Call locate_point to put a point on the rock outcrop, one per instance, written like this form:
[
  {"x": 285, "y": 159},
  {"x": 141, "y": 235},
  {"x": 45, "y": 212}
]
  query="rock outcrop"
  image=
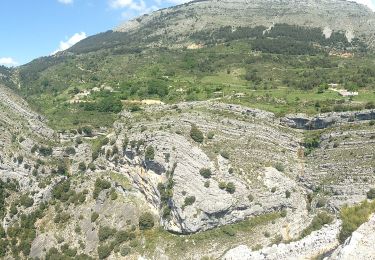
[
  {"x": 317, "y": 243},
  {"x": 360, "y": 245},
  {"x": 302, "y": 121}
]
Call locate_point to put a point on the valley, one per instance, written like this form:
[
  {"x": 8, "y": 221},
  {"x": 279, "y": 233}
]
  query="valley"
[{"x": 208, "y": 130}]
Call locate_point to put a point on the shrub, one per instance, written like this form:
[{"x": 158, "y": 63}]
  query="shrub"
[
  {"x": 287, "y": 194},
  {"x": 222, "y": 185},
  {"x": 91, "y": 166},
  {"x": 122, "y": 236},
  {"x": 113, "y": 194},
  {"x": 229, "y": 231},
  {"x": 62, "y": 191},
  {"x": 205, "y": 172},
  {"x": 94, "y": 216},
  {"x": 146, "y": 221},
  {"x": 225, "y": 154},
  {"x": 189, "y": 201},
  {"x": 371, "y": 194},
  {"x": 150, "y": 153},
  {"x": 250, "y": 198},
  {"x": 26, "y": 201},
  {"x": 317, "y": 223},
  {"x": 210, "y": 135},
  {"x": 283, "y": 213},
  {"x": 70, "y": 151},
  {"x": 279, "y": 167},
  {"x": 273, "y": 190},
  {"x": 87, "y": 130},
  {"x": 231, "y": 188},
  {"x": 207, "y": 184},
  {"x": 2, "y": 232},
  {"x": 20, "y": 159},
  {"x": 196, "y": 134},
  {"x": 45, "y": 151},
  {"x": 99, "y": 186},
  {"x": 321, "y": 202},
  {"x": 353, "y": 217},
  {"x": 34, "y": 148},
  {"x": 125, "y": 250},
  {"x": 105, "y": 233},
  {"x": 61, "y": 218},
  {"x": 104, "y": 251},
  {"x": 82, "y": 166}
]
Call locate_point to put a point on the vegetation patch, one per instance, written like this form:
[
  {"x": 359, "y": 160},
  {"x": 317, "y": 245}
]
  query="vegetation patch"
[{"x": 353, "y": 217}]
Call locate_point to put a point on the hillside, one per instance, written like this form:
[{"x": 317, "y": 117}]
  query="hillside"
[
  {"x": 286, "y": 65},
  {"x": 209, "y": 130}
]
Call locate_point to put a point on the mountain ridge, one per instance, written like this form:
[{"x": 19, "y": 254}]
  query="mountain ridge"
[{"x": 334, "y": 15}]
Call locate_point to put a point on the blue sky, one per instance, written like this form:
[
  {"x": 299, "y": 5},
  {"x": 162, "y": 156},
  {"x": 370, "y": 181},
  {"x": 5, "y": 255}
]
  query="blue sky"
[{"x": 34, "y": 28}]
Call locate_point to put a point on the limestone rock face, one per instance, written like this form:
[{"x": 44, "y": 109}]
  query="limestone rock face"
[
  {"x": 316, "y": 243},
  {"x": 301, "y": 121},
  {"x": 360, "y": 245}
]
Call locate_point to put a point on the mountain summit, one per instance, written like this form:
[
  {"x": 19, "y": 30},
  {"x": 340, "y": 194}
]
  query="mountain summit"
[{"x": 354, "y": 19}]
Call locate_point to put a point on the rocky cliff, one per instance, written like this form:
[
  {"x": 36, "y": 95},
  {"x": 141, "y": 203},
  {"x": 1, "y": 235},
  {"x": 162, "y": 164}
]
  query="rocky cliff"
[{"x": 181, "y": 21}]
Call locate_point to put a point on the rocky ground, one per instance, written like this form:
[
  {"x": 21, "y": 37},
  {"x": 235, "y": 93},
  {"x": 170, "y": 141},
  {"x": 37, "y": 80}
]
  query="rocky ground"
[{"x": 217, "y": 177}]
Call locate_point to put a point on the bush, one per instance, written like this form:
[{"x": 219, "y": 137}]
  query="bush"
[
  {"x": 105, "y": 233},
  {"x": 205, "y": 172},
  {"x": 287, "y": 194},
  {"x": 26, "y": 201},
  {"x": 99, "y": 186},
  {"x": 122, "y": 236},
  {"x": 150, "y": 153},
  {"x": 196, "y": 134},
  {"x": 321, "y": 202},
  {"x": 125, "y": 250},
  {"x": 70, "y": 151},
  {"x": 273, "y": 190},
  {"x": 82, "y": 166},
  {"x": 104, "y": 251},
  {"x": 231, "y": 188},
  {"x": 45, "y": 151},
  {"x": 87, "y": 130},
  {"x": 222, "y": 185},
  {"x": 371, "y": 194},
  {"x": 94, "y": 216},
  {"x": 353, "y": 217},
  {"x": 279, "y": 167},
  {"x": 225, "y": 154},
  {"x": 317, "y": 223},
  {"x": 189, "y": 201},
  {"x": 229, "y": 231},
  {"x": 210, "y": 135},
  {"x": 146, "y": 221}
]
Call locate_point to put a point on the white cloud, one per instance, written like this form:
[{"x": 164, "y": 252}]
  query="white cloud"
[
  {"x": 117, "y": 4},
  {"x": 172, "y": 1},
  {"x": 7, "y": 61},
  {"x": 70, "y": 42},
  {"x": 369, "y": 3},
  {"x": 65, "y": 2}
]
